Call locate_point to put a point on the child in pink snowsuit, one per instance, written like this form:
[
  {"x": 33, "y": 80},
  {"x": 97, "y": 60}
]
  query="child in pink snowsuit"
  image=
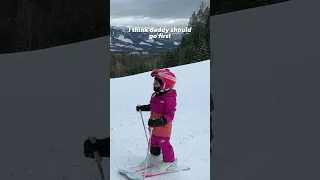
[{"x": 162, "y": 109}]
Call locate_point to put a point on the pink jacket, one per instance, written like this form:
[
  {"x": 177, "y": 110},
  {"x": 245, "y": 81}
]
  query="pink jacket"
[{"x": 163, "y": 105}]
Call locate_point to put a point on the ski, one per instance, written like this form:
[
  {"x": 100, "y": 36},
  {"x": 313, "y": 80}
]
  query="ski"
[
  {"x": 134, "y": 169},
  {"x": 140, "y": 175}
]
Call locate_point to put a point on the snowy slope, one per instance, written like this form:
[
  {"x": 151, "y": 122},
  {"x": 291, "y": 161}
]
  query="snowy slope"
[
  {"x": 191, "y": 128},
  {"x": 266, "y": 92},
  {"x": 50, "y": 101}
]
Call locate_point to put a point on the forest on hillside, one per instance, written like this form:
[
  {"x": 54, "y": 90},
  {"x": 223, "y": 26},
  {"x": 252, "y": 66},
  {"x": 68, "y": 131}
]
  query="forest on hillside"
[{"x": 34, "y": 24}]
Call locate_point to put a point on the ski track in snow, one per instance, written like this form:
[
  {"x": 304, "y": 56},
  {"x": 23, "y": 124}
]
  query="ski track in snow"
[{"x": 191, "y": 127}]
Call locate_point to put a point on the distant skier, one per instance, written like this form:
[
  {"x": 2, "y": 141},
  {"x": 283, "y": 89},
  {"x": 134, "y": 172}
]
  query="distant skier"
[
  {"x": 101, "y": 145},
  {"x": 162, "y": 107}
]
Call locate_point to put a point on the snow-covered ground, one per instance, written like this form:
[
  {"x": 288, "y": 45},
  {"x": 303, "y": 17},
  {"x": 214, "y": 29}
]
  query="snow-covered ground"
[
  {"x": 266, "y": 92},
  {"x": 191, "y": 127},
  {"x": 50, "y": 101}
]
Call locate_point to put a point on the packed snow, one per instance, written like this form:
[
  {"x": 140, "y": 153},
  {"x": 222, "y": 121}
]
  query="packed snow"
[
  {"x": 51, "y": 100},
  {"x": 266, "y": 93},
  {"x": 191, "y": 126}
]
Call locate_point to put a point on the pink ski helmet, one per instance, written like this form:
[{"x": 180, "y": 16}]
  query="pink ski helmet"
[{"x": 167, "y": 77}]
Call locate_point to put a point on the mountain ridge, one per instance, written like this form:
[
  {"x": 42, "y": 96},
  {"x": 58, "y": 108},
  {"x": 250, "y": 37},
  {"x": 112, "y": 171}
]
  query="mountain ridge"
[{"x": 139, "y": 42}]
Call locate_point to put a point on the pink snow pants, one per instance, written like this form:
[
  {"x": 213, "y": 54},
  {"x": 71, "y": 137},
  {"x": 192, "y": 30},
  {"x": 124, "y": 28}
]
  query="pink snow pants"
[{"x": 165, "y": 146}]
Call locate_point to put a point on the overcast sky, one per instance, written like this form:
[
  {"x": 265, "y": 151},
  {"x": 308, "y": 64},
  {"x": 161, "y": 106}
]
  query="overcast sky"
[{"x": 153, "y": 13}]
